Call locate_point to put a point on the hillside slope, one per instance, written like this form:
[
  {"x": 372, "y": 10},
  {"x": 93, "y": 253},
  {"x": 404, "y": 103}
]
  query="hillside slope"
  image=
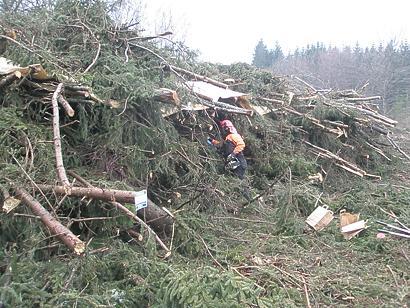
[{"x": 225, "y": 250}]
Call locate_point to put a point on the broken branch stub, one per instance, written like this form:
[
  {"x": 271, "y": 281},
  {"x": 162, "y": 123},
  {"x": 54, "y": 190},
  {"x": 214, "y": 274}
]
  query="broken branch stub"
[
  {"x": 66, "y": 106},
  {"x": 57, "y": 138}
]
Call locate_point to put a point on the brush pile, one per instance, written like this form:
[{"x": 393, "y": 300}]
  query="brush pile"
[{"x": 91, "y": 112}]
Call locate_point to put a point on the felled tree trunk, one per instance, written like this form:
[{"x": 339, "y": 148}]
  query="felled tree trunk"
[
  {"x": 167, "y": 96},
  {"x": 122, "y": 208},
  {"x": 8, "y": 80},
  {"x": 53, "y": 225},
  {"x": 159, "y": 220}
]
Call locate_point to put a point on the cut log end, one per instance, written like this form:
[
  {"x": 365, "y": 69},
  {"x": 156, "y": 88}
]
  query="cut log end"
[
  {"x": 167, "y": 96},
  {"x": 79, "y": 248},
  {"x": 51, "y": 222}
]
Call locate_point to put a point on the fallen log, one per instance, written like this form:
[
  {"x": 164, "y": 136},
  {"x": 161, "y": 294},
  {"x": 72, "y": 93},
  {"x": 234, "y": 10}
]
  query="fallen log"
[
  {"x": 127, "y": 212},
  {"x": 159, "y": 220},
  {"x": 375, "y": 116},
  {"x": 340, "y": 162},
  {"x": 52, "y": 224},
  {"x": 361, "y": 99},
  {"x": 394, "y": 144},
  {"x": 338, "y": 132},
  {"x": 9, "y": 79}
]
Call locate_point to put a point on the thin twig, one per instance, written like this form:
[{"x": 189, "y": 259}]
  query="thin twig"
[
  {"x": 95, "y": 59},
  {"x": 125, "y": 106},
  {"x": 126, "y": 51},
  {"x": 35, "y": 52},
  {"x": 394, "y": 144},
  {"x": 136, "y": 218},
  {"x": 188, "y": 160},
  {"x": 18, "y": 43},
  {"x": 305, "y": 289},
  {"x": 209, "y": 252},
  {"x": 26, "y": 215},
  {"x": 394, "y": 277},
  {"x": 90, "y": 218},
  {"x": 172, "y": 236},
  {"x": 98, "y": 49},
  {"x": 245, "y": 220},
  {"x": 405, "y": 255},
  {"x": 151, "y": 37}
]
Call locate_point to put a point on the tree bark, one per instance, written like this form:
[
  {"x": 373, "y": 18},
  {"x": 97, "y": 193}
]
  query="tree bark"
[
  {"x": 8, "y": 80},
  {"x": 198, "y": 77},
  {"x": 53, "y": 225},
  {"x": 167, "y": 96},
  {"x": 137, "y": 219},
  {"x": 66, "y": 106},
  {"x": 127, "y": 212},
  {"x": 361, "y": 99},
  {"x": 57, "y": 138},
  {"x": 223, "y": 106},
  {"x": 153, "y": 215}
]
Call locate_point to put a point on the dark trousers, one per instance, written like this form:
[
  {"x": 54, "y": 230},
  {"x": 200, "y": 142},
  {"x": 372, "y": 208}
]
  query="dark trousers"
[{"x": 240, "y": 171}]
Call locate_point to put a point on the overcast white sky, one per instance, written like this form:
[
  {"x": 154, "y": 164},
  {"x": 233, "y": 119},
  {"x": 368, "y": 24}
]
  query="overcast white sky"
[{"x": 227, "y": 31}]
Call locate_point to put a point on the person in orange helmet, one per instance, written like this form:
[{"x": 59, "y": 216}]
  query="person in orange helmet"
[{"x": 231, "y": 148}]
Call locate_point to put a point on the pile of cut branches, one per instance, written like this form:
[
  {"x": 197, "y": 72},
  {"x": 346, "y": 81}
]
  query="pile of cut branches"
[{"x": 85, "y": 130}]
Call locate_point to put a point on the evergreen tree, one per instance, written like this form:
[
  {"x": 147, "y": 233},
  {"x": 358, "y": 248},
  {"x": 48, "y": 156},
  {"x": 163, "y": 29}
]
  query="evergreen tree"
[
  {"x": 261, "y": 57},
  {"x": 277, "y": 53}
]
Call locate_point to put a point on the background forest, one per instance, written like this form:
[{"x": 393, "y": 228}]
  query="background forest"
[{"x": 383, "y": 69}]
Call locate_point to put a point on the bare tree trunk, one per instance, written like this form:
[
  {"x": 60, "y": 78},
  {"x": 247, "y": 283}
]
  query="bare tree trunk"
[
  {"x": 159, "y": 220},
  {"x": 53, "y": 225},
  {"x": 57, "y": 138},
  {"x": 7, "y": 80},
  {"x": 136, "y": 218},
  {"x": 127, "y": 212}
]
